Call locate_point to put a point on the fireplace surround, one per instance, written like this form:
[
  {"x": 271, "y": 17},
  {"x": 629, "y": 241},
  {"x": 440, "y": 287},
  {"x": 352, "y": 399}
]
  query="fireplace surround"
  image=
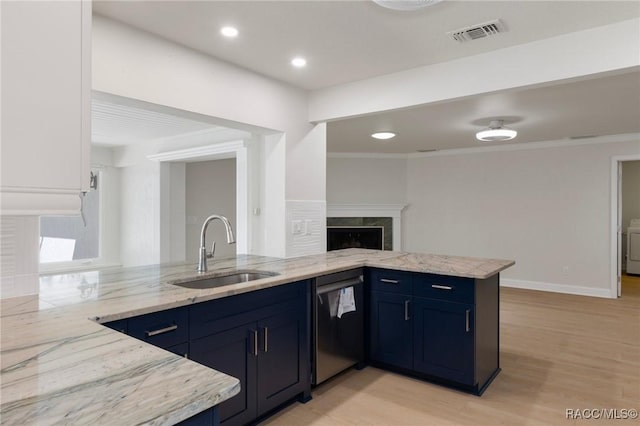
[{"x": 387, "y": 216}]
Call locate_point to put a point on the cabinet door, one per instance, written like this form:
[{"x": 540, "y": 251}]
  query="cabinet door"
[
  {"x": 182, "y": 349},
  {"x": 283, "y": 370},
  {"x": 209, "y": 417},
  {"x": 233, "y": 352},
  {"x": 390, "y": 328},
  {"x": 444, "y": 339},
  {"x": 46, "y": 105}
]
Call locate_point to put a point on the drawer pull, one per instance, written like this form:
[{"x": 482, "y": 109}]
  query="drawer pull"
[
  {"x": 406, "y": 310},
  {"x": 441, "y": 287},
  {"x": 467, "y": 327},
  {"x": 388, "y": 281},
  {"x": 161, "y": 330}
]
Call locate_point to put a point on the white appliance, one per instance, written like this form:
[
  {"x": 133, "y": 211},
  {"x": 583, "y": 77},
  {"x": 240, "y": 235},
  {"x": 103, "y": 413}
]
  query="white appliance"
[{"x": 633, "y": 247}]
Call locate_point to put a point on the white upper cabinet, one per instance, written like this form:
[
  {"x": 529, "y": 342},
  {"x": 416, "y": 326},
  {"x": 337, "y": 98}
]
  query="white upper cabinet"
[{"x": 46, "y": 105}]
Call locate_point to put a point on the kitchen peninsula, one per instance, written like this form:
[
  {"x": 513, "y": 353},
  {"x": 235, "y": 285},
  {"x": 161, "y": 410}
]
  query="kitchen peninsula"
[{"x": 59, "y": 364}]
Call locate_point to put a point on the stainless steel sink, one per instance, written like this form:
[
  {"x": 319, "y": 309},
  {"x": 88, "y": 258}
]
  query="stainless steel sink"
[{"x": 226, "y": 279}]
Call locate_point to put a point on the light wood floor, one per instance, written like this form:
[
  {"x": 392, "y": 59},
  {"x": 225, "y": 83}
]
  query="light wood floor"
[{"x": 557, "y": 352}]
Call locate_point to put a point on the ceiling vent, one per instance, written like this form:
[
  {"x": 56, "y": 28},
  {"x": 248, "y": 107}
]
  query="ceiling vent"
[{"x": 475, "y": 32}]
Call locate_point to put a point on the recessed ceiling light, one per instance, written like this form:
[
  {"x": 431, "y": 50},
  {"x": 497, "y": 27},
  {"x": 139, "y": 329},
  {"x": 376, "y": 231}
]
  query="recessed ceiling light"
[
  {"x": 299, "y": 62},
  {"x": 383, "y": 135},
  {"x": 496, "y": 132},
  {"x": 229, "y": 32}
]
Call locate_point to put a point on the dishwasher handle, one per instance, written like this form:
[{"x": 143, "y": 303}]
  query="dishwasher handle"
[{"x": 337, "y": 286}]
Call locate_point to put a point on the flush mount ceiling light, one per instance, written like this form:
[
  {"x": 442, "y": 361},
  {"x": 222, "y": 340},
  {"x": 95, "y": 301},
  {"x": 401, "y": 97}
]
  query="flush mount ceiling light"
[
  {"x": 383, "y": 135},
  {"x": 405, "y": 5},
  {"x": 229, "y": 32},
  {"x": 496, "y": 132},
  {"x": 299, "y": 62}
]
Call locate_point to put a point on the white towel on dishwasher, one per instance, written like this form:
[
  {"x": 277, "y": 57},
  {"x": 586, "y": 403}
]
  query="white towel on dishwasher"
[{"x": 347, "y": 302}]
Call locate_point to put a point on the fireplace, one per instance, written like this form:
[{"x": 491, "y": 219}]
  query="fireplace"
[
  {"x": 387, "y": 216},
  {"x": 341, "y": 237}
]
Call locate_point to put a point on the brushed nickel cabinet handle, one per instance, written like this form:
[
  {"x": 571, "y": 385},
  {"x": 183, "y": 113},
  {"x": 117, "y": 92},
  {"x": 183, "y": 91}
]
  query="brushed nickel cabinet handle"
[
  {"x": 161, "y": 330},
  {"x": 441, "y": 287},
  {"x": 266, "y": 338},
  {"x": 467, "y": 328},
  {"x": 388, "y": 281},
  {"x": 406, "y": 310},
  {"x": 255, "y": 342}
]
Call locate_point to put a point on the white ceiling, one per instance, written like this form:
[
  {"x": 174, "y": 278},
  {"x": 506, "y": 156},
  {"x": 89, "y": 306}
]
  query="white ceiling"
[
  {"x": 353, "y": 40},
  {"x": 114, "y": 124},
  {"x": 595, "y": 107}
]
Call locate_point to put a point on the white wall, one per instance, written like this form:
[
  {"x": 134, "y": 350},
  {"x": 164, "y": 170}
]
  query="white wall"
[
  {"x": 173, "y": 195},
  {"x": 306, "y": 194},
  {"x": 102, "y": 158},
  {"x": 366, "y": 180},
  {"x": 135, "y": 64},
  {"x": 140, "y": 214},
  {"x": 18, "y": 266},
  {"x": 547, "y": 208},
  {"x": 210, "y": 189}
]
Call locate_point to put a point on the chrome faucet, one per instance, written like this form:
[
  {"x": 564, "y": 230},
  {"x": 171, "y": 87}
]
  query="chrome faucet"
[{"x": 202, "y": 260}]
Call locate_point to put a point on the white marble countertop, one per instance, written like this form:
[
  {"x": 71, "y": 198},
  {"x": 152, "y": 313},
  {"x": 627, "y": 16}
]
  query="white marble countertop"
[{"x": 58, "y": 366}]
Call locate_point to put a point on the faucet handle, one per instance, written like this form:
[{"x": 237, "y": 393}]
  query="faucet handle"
[{"x": 212, "y": 252}]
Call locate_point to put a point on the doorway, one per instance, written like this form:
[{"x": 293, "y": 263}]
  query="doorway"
[
  {"x": 625, "y": 207},
  {"x": 210, "y": 189}
]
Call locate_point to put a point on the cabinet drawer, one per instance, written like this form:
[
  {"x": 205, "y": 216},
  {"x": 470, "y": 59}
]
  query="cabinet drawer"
[
  {"x": 444, "y": 287},
  {"x": 118, "y": 325},
  {"x": 390, "y": 281},
  {"x": 163, "y": 329}
]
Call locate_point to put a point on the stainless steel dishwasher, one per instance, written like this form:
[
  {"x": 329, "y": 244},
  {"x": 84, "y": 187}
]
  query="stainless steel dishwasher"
[{"x": 338, "y": 341}]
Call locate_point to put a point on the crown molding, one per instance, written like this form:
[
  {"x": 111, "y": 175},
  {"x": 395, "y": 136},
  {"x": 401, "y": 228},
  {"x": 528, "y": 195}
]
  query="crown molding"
[
  {"x": 210, "y": 152},
  {"x": 508, "y": 146}
]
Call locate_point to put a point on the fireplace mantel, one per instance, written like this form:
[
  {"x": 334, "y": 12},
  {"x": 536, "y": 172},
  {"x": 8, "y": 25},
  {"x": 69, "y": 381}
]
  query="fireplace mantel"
[{"x": 394, "y": 211}]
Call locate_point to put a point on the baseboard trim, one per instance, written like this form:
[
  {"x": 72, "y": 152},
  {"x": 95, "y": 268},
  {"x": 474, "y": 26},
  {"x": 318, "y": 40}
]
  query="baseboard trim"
[{"x": 558, "y": 288}]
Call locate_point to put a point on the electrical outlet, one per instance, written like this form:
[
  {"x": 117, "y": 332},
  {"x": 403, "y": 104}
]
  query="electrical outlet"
[
  {"x": 565, "y": 269},
  {"x": 307, "y": 226}
]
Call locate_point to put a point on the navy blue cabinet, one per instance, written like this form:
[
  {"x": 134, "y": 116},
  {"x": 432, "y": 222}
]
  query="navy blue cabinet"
[
  {"x": 443, "y": 339},
  {"x": 118, "y": 325},
  {"x": 391, "y": 329},
  {"x": 265, "y": 347},
  {"x": 233, "y": 352},
  {"x": 163, "y": 329},
  {"x": 283, "y": 358},
  {"x": 260, "y": 337},
  {"x": 166, "y": 329},
  {"x": 208, "y": 417},
  {"x": 436, "y": 327}
]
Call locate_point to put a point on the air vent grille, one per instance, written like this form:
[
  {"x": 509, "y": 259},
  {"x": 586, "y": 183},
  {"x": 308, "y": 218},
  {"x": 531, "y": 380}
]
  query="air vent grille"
[{"x": 475, "y": 32}]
